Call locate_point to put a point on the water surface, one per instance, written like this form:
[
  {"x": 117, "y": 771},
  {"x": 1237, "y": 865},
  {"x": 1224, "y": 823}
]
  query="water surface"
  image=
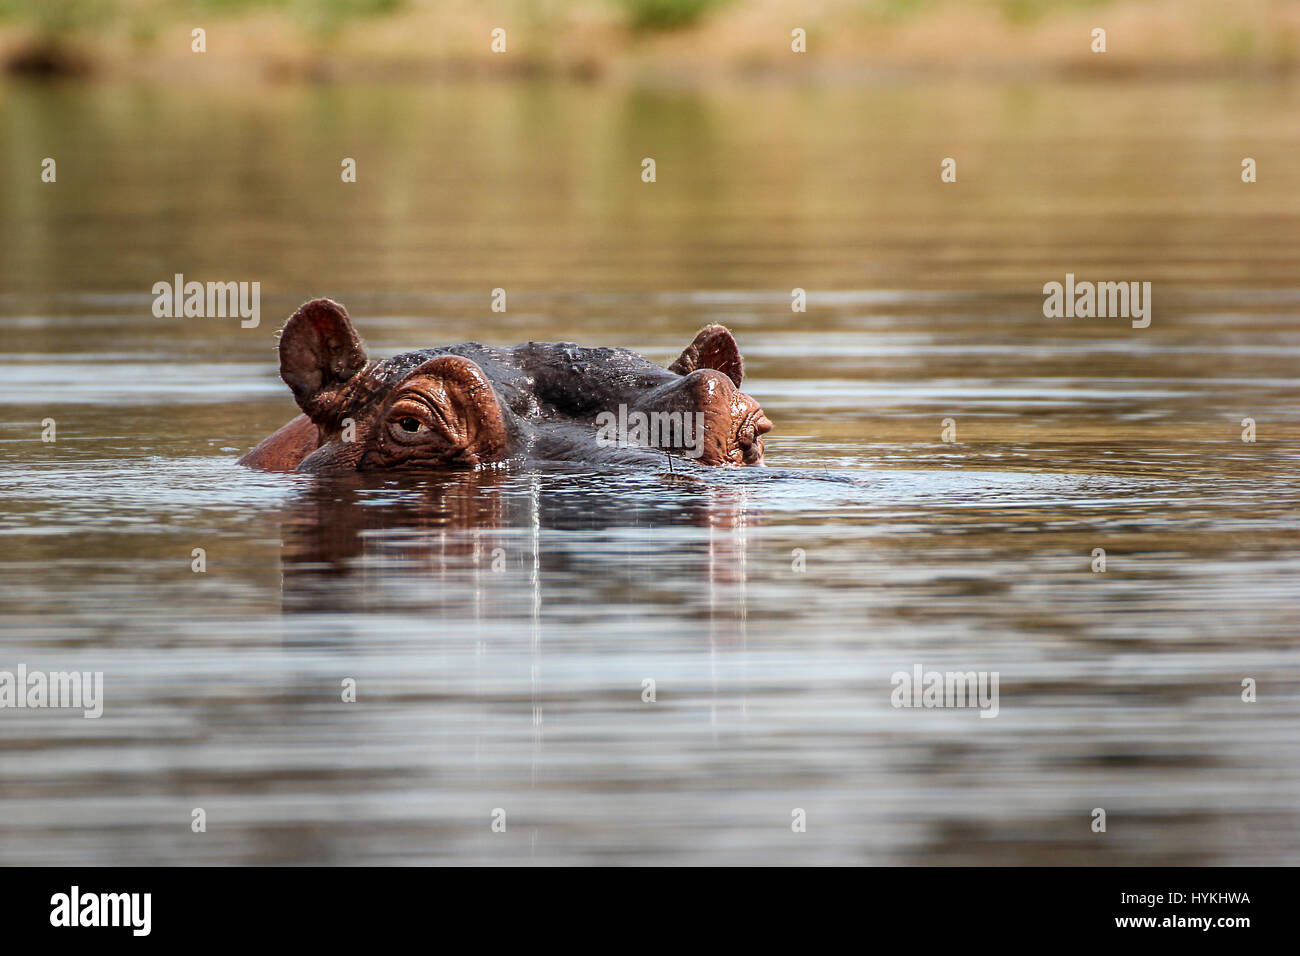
[{"x": 500, "y": 626}]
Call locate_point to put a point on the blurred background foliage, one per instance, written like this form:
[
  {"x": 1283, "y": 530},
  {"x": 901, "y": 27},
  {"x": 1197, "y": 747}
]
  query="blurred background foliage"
[{"x": 596, "y": 37}]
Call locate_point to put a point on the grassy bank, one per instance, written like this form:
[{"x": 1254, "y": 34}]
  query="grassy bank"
[{"x": 257, "y": 40}]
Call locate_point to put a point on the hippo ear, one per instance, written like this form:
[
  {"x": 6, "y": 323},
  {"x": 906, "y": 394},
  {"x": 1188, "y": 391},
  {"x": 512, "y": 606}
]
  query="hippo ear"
[
  {"x": 714, "y": 347},
  {"x": 319, "y": 353}
]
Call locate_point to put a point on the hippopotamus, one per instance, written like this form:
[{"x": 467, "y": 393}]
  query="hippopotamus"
[{"x": 475, "y": 406}]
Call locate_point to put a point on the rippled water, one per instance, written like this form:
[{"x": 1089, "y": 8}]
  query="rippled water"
[{"x": 500, "y": 625}]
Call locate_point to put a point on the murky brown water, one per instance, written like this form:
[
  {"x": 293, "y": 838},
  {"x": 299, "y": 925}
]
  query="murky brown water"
[{"x": 499, "y": 627}]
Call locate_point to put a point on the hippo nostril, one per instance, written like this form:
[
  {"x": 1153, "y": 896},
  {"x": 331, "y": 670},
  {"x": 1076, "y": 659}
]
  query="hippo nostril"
[{"x": 753, "y": 430}]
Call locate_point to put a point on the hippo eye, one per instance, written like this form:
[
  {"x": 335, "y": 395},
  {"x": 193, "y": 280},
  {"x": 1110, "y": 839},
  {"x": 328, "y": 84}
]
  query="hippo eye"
[{"x": 409, "y": 424}]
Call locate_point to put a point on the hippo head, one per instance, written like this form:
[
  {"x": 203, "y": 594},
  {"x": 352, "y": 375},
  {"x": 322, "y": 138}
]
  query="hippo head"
[{"x": 471, "y": 405}]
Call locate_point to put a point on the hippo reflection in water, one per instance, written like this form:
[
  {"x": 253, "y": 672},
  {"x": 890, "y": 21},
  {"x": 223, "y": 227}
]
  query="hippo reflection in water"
[{"x": 471, "y": 405}]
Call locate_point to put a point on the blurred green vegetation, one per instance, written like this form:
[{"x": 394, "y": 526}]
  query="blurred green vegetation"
[
  {"x": 587, "y": 36},
  {"x": 666, "y": 14},
  {"x": 54, "y": 18},
  {"x": 1028, "y": 11},
  {"x": 65, "y": 16},
  {"x": 59, "y": 17}
]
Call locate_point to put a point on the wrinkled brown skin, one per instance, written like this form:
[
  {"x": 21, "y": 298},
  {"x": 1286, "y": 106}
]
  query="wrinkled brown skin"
[{"x": 471, "y": 405}]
